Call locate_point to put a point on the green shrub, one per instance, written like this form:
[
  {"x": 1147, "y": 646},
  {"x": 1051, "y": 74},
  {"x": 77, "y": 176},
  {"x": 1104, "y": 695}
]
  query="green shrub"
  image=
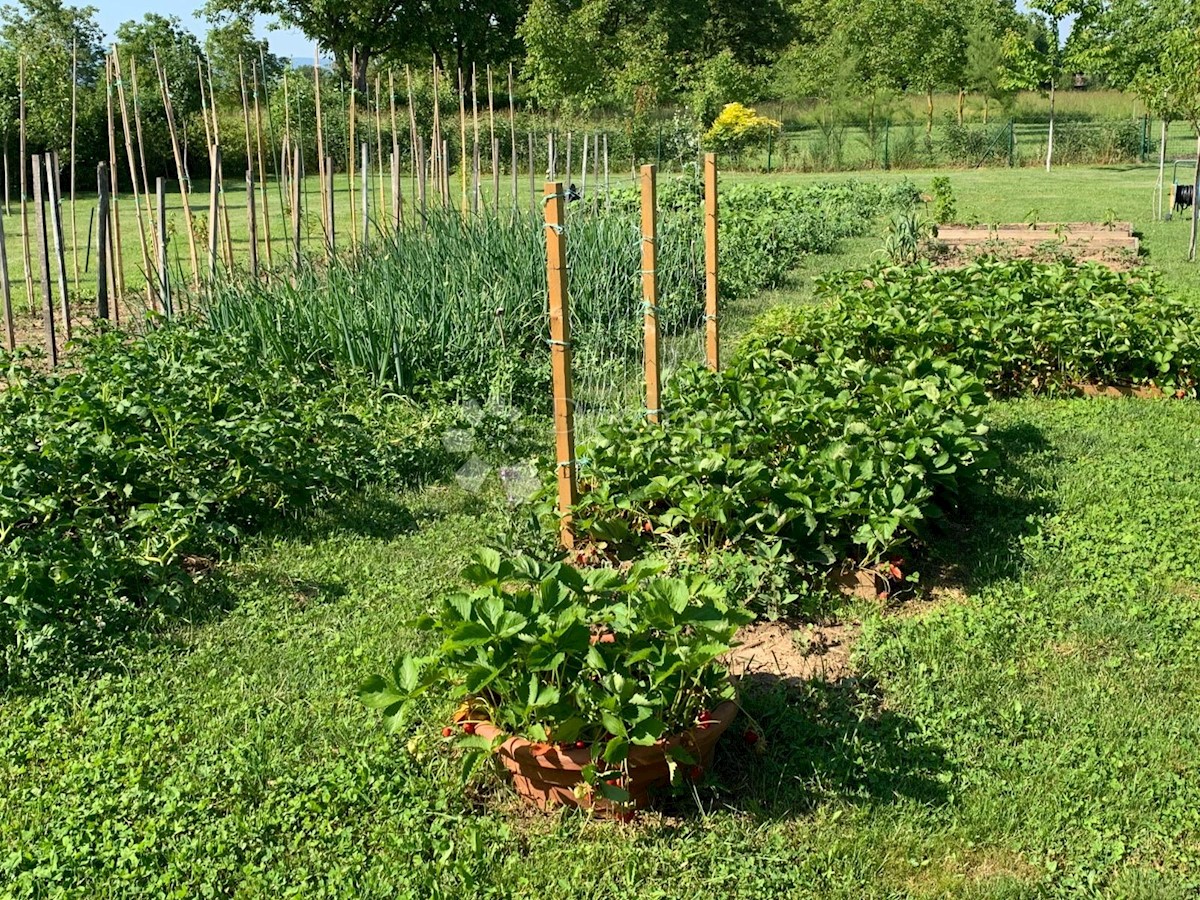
[
  {"x": 119, "y": 474},
  {"x": 1018, "y": 325}
]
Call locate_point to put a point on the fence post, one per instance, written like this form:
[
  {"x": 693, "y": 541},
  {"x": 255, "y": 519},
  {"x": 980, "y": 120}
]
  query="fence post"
[
  {"x": 560, "y": 359},
  {"x": 653, "y": 368},
  {"x": 711, "y": 333},
  {"x": 101, "y": 244},
  {"x": 887, "y": 142},
  {"x": 252, "y": 222},
  {"x": 1012, "y": 142},
  {"x": 39, "y": 208}
]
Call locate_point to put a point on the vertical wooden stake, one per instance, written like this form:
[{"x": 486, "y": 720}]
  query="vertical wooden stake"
[
  {"x": 74, "y": 123},
  {"x": 102, "y": 242},
  {"x": 262, "y": 169},
  {"x": 252, "y": 222},
  {"x": 56, "y": 228},
  {"x": 379, "y": 157},
  {"x": 133, "y": 174},
  {"x": 560, "y": 359},
  {"x": 462, "y": 139},
  {"x": 39, "y": 209},
  {"x": 351, "y": 144},
  {"x": 10, "y": 336},
  {"x": 394, "y": 161},
  {"x": 366, "y": 194},
  {"x": 533, "y": 198},
  {"x": 118, "y": 258},
  {"x": 331, "y": 234},
  {"x": 475, "y": 199},
  {"x": 583, "y": 169},
  {"x": 185, "y": 186},
  {"x": 26, "y": 257},
  {"x": 164, "y": 274},
  {"x": 321, "y": 159},
  {"x": 297, "y": 217},
  {"x": 421, "y": 201},
  {"x": 512, "y": 134},
  {"x": 606, "y": 200},
  {"x": 214, "y": 214},
  {"x": 495, "y": 145},
  {"x": 653, "y": 367},
  {"x": 711, "y": 332}
]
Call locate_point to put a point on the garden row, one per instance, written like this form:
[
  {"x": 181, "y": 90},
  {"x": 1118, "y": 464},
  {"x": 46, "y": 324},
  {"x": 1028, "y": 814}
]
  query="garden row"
[
  {"x": 828, "y": 447},
  {"x": 127, "y": 472}
]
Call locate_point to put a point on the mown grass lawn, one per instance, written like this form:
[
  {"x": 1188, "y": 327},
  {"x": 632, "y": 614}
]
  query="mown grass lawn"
[
  {"x": 1030, "y": 728},
  {"x": 1037, "y": 732}
]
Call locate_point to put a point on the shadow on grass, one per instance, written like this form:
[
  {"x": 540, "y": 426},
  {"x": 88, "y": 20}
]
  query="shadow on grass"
[
  {"x": 820, "y": 742},
  {"x": 982, "y": 542}
]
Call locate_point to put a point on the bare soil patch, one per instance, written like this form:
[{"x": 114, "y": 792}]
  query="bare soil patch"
[
  {"x": 1112, "y": 244},
  {"x": 777, "y": 651}
]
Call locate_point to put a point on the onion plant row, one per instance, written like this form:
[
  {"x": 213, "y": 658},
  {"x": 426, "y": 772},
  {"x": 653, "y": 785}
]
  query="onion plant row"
[{"x": 459, "y": 307}]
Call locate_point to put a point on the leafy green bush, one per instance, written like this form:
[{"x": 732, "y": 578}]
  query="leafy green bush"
[
  {"x": 834, "y": 458},
  {"x": 1018, "y": 325},
  {"x": 150, "y": 452},
  {"x": 519, "y": 650}
]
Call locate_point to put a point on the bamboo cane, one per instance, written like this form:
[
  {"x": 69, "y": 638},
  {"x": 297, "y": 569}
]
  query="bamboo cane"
[
  {"x": 512, "y": 133},
  {"x": 164, "y": 275},
  {"x": 60, "y": 258},
  {"x": 25, "y": 257},
  {"x": 185, "y": 187},
  {"x": 226, "y": 231},
  {"x": 129, "y": 155},
  {"x": 214, "y": 201},
  {"x": 462, "y": 128},
  {"x": 208, "y": 138},
  {"x": 262, "y": 169},
  {"x": 297, "y": 178},
  {"x": 351, "y": 146},
  {"x": 252, "y": 221},
  {"x": 101, "y": 241},
  {"x": 379, "y": 158},
  {"x": 10, "y": 335},
  {"x": 118, "y": 257},
  {"x": 397, "y": 193},
  {"x": 492, "y": 138},
  {"x": 39, "y": 208},
  {"x": 475, "y": 200},
  {"x": 74, "y": 124},
  {"x": 321, "y": 160}
]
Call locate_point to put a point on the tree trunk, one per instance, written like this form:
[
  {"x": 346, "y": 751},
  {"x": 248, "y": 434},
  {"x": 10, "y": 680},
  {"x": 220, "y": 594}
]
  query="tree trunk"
[
  {"x": 1050, "y": 133},
  {"x": 987, "y": 102},
  {"x": 358, "y": 65},
  {"x": 1195, "y": 198},
  {"x": 962, "y": 96},
  {"x": 929, "y": 108}
]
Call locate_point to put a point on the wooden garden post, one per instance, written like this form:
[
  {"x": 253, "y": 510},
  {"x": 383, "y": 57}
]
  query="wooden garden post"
[
  {"x": 650, "y": 291},
  {"x": 56, "y": 228},
  {"x": 297, "y": 180},
  {"x": 560, "y": 359},
  {"x": 711, "y": 332}
]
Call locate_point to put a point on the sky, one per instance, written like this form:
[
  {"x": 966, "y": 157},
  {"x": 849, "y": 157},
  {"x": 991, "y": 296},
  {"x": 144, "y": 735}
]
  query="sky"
[{"x": 285, "y": 43}]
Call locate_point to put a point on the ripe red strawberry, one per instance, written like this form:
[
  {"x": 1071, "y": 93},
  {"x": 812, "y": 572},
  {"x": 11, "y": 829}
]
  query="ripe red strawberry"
[
  {"x": 579, "y": 745},
  {"x": 447, "y": 731},
  {"x": 751, "y": 736},
  {"x": 613, "y": 782},
  {"x": 468, "y": 727}
]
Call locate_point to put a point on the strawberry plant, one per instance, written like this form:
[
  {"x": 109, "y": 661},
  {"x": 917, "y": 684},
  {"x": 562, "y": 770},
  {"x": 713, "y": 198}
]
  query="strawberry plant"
[
  {"x": 817, "y": 458},
  {"x": 147, "y": 456},
  {"x": 1018, "y": 325},
  {"x": 520, "y": 650}
]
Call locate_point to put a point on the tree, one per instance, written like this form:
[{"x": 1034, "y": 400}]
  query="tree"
[
  {"x": 43, "y": 34},
  {"x": 231, "y": 48},
  {"x": 1179, "y": 80},
  {"x": 361, "y": 31},
  {"x": 1032, "y": 61},
  {"x": 936, "y": 29}
]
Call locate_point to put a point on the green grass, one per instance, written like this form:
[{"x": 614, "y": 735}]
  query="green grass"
[
  {"x": 1038, "y": 735},
  {"x": 1034, "y": 732}
]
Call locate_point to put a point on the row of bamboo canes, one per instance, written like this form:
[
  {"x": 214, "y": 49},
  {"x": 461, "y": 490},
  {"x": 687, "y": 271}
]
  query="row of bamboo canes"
[{"x": 430, "y": 174}]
